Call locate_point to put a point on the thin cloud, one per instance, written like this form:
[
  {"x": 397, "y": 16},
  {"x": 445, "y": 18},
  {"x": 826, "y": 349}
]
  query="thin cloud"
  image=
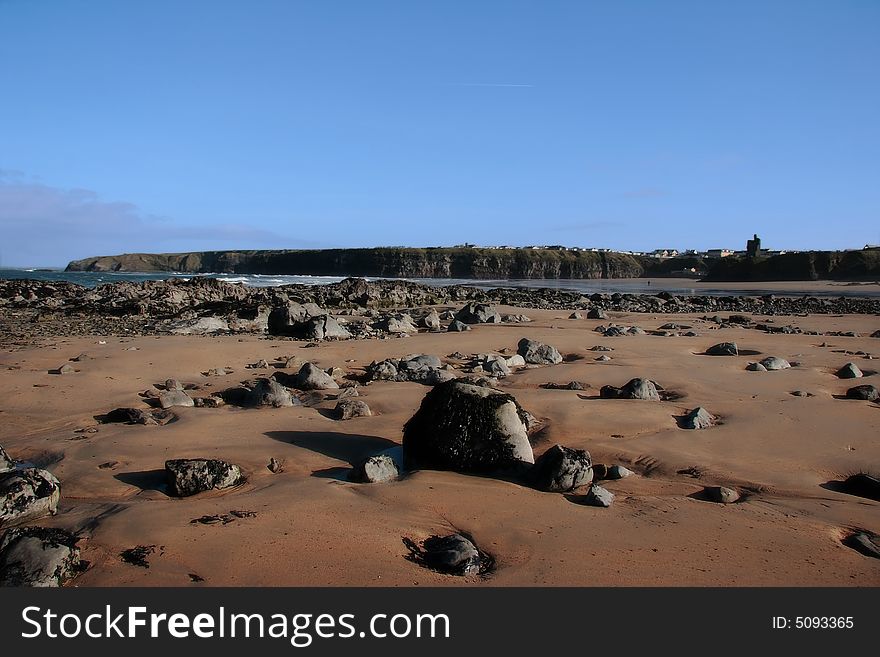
[{"x": 43, "y": 225}]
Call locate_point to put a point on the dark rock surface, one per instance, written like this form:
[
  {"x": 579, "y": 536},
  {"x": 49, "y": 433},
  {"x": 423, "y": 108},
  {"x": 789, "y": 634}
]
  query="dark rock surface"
[
  {"x": 191, "y": 476},
  {"x": 38, "y": 556}
]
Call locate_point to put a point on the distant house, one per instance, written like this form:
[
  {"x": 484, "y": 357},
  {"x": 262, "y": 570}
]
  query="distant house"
[
  {"x": 664, "y": 253},
  {"x": 719, "y": 253}
]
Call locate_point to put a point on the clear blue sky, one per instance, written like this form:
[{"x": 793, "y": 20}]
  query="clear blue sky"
[{"x": 185, "y": 125}]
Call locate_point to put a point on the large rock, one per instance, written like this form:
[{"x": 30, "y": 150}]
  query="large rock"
[
  {"x": 863, "y": 485},
  {"x": 723, "y": 349},
  {"x": 375, "y": 470},
  {"x": 6, "y": 463},
  {"x": 396, "y": 323},
  {"x": 866, "y": 391},
  {"x": 599, "y": 496},
  {"x": 151, "y": 417},
  {"x": 478, "y": 313},
  {"x": 323, "y": 327},
  {"x": 305, "y": 321},
  {"x": 537, "y": 353},
  {"x": 190, "y": 476},
  {"x": 431, "y": 321},
  {"x": 286, "y": 320},
  {"x": 312, "y": 377},
  {"x": 634, "y": 389},
  {"x": 456, "y": 326},
  {"x": 722, "y": 494},
  {"x": 561, "y": 469},
  {"x": 775, "y": 363},
  {"x": 38, "y": 556},
  {"x": 850, "y": 371},
  {"x": 27, "y": 494},
  {"x": 268, "y": 392},
  {"x": 467, "y": 428},
  {"x": 349, "y": 408},
  {"x": 174, "y": 397},
  {"x": 596, "y": 313},
  {"x": 453, "y": 555},
  {"x": 699, "y": 418}
]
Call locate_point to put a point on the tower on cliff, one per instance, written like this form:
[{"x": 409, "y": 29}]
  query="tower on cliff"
[{"x": 753, "y": 247}]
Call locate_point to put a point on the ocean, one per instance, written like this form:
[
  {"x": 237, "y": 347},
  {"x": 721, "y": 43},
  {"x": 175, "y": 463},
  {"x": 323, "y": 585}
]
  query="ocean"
[{"x": 584, "y": 286}]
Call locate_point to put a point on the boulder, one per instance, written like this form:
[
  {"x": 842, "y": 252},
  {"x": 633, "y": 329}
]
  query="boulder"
[
  {"x": 453, "y": 555},
  {"x": 202, "y": 326},
  {"x": 38, "y": 556},
  {"x": 349, "y": 408},
  {"x": 268, "y": 392},
  {"x": 723, "y": 349},
  {"x": 596, "y": 313},
  {"x": 618, "y": 472},
  {"x": 863, "y": 485},
  {"x": 467, "y": 428},
  {"x": 722, "y": 494},
  {"x": 6, "y": 463},
  {"x": 866, "y": 392},
  {"x": 385, "y": 370},
  {"x": 174, "y": 397},
  {"x": 699, "y": 418},
  {"x": 431, "y": 321},
  {"x": 850, "y": 371},
  {"x": 598, "y": 496},
  {"x": 375, "y": 470},
  {"x": 774, "y": 363},
  {"x": 27, "y": 494},
  {"x": 496, "y": 366},
  {"x": 397, "y": 323},
  {"x": 312, "y": 377},
  {"x": 536, "y": 353},
  {"x": 137, "y": 416},
  {"x": 516, "y": 361},
  {"x": 756, "y": 367},
  {"x": 286, "y": 320},
  {"x": 865, "y": 542},
  {"x": 457, "y": 326},
  {"x": 419, "y": 362},
  {"x": 190, "y": 476},
  {"x": 575, "y": 315},
  {"x": 478, "y": 313},
  {"x": 561, "y": 469},
  {"x": 634, "y": 389},
  {"x": 323, "y": 327}
]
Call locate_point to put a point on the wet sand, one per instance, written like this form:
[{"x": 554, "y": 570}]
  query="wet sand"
[{"x": 312, "y": 527}]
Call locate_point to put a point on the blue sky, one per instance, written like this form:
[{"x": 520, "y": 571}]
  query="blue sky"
[{"x": 176, "y": 126}]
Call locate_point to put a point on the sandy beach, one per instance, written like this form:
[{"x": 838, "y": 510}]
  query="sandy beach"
[{"x": 308, "y": 525}]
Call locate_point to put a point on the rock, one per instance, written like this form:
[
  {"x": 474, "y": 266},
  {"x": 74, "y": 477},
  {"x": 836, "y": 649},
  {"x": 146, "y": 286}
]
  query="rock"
[
  {"x": 596, "y": 313},
  {"x": 173, "y": 384},
  {"x": 349, "y": 408},
  {"x": 397, "y": 323},
  {"x": 190, "y": 476},
  {"x": 202, "y": 326},
  {"x": 323, "y": 327},
  {"x": 478, "y": 313},
  {"x": 699, "y": 418},
  {"x": 756, "y": 367},
  {"x": 600, "y": 347},
  {"x": 575, "y": 315},
  {"x": 618, "y": 472},
  {"x": 537, "y": 353},
  {"x": 209, "y": 402},
  {"x": 261, "y": 364},
  {"x": 849, "y": 371},
  {"x": 174, "y": 397},
  {"x": 27, "y": 494},
  {"x": 722, "y": 494},
  {"x": 268, "y": 392},
  {"x": 452, "y": 555},
  {"x": 801, "y": 393},
  {"x": 6, "y": 463},
  {"x": 516, "y": 361},
  {"x": 138, "y": 416},
  {"x": 431, "y": 321},
  {"x": 218, "y": 371},
  {"x": 634, "y": 389},
  {"x": 67, "y": 368},
  {"x": 385, "y": 370},
  {"x": 598, "y": 496},
  {"x": 876, "y": 334},
  {"x": 467, "y": 428},
  {"x": 375, "y": 470},
  {"x": 497, "y": 367},
  {"x": 723, "y": 349},
  {"x": 312, "y": 377},
  {"x": 864, "y": 542},
  {"x": 863, "y": 485},
  {"x": 350, "y": 391},
  {"x": 571, "y": 385},
  {"x": 274, "y": 465},
  {"x": 286, "y": 320},
  {"x": 304, "y": 321},
  {"x": 516, "y": 319},
  {"x": 38, "y": 557},
  {"x": 561, "y": 469},
  {"x": 419, "y": 362},
  {"x": 774, "y": 363},
  {"x": 866, "y": 392},
  {"x": 457, "y": 327},
  {"x": 602, "y": 359}
]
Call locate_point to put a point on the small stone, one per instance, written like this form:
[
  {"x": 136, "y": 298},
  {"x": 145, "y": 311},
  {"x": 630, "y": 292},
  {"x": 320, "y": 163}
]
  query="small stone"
[
  {"x": 274, "y": 465},
  {"x": 598, "y": 496}
]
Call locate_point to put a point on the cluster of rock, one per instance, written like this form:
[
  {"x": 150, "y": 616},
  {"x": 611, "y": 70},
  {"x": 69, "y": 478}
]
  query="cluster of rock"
[{"x": 419, "y": 368}]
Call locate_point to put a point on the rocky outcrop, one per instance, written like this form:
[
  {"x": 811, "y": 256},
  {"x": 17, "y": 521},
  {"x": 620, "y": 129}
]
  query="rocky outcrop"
[
  {"x": 38, "y": 556},
  {"x": 467, "y": 428},
  {"x": 191, "y": 476}
]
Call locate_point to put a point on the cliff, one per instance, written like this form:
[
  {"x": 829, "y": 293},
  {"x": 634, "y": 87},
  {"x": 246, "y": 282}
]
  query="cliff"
[
  {"x": 385, "y": 262},
  {"x": 806, "y": 266}
]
